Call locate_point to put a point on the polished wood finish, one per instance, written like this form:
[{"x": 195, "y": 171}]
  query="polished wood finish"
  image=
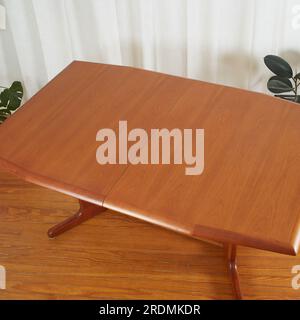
[
  {"x": 248, "y": 193},
  {"x": 56, "y": 146},
  {"x": 86, "y": 211},
  {"x": 231, "y": 258},
  {"x": 114, "y": 256}
]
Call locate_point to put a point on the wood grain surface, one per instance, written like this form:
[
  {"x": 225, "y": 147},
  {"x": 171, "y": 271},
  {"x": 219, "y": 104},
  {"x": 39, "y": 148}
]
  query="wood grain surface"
[
  {"x": 248, "y": 193},
  {"x": 113, "y": 256}
]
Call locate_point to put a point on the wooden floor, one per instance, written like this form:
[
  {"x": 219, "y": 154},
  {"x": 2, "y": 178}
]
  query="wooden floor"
[{"x": 117, "y": 257}]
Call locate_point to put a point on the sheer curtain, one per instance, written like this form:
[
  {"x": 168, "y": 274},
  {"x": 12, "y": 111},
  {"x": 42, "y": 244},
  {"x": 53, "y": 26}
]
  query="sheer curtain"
[{"x": 222, "y": 41}]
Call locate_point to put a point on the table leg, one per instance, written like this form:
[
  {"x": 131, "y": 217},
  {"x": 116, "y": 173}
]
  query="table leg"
[
  {"x": 86, "y": 211},
  {"x": 230, "y": 251}
]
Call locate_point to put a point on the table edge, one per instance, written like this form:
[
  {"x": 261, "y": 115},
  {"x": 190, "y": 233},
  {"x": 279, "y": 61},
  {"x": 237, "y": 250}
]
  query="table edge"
[
  {"x": 210, "y": 234},
  {"x": 65, "y": 188},
  {"x": 236, "y": 238}
]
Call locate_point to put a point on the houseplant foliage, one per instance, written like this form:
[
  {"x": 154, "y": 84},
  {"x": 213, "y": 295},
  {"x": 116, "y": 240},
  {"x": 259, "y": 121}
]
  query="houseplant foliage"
[
  {"x": 283, "y": 80},
  {"x": 10, "y": 99}
]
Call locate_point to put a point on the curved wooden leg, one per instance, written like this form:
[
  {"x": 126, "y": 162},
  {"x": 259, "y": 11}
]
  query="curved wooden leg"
[
  {"x": 230, "y": 251},
  {"x": 86, "y": 211}
]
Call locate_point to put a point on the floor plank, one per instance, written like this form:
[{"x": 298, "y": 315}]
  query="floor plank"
[{"x": 117, "y": 257}]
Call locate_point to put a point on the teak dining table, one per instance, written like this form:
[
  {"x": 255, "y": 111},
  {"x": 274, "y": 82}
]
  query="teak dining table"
[{"x": 247, "y": 195}]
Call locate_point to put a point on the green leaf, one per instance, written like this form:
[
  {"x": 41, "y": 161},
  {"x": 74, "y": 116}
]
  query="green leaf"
[
  {"x": 2, "y": 119},
  {"x": 11, "y": 98},
  {"x": 279, "y": 84},
  {"x": 297, "y": 76},
  {"x": 15, "y": 95},
  {"x": 278, "y": 66},
  {"x": 4, "y": 98},
  {"x": 4, "y": 112}
]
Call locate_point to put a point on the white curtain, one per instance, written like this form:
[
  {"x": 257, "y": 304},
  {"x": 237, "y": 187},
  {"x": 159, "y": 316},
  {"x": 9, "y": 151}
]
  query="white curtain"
[{"x": 222, "y": 41}]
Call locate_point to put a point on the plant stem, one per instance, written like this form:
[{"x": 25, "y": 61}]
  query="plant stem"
[{"x": 296, "y": 88}]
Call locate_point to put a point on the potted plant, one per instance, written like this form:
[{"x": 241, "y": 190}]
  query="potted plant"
[
  {"x": 10, "y": 99},
  {"x": 284, "y": 79}
]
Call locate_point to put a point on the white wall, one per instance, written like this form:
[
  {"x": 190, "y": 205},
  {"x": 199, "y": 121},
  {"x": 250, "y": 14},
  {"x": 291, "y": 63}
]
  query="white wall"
[{"x": 222, "y": 41}]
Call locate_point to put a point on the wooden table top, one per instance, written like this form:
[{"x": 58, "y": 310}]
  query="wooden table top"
[{"x": 248, "y": 193}]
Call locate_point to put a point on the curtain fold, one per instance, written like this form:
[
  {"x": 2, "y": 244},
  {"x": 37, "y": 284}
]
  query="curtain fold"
[{"x": 222, "y": 41}]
